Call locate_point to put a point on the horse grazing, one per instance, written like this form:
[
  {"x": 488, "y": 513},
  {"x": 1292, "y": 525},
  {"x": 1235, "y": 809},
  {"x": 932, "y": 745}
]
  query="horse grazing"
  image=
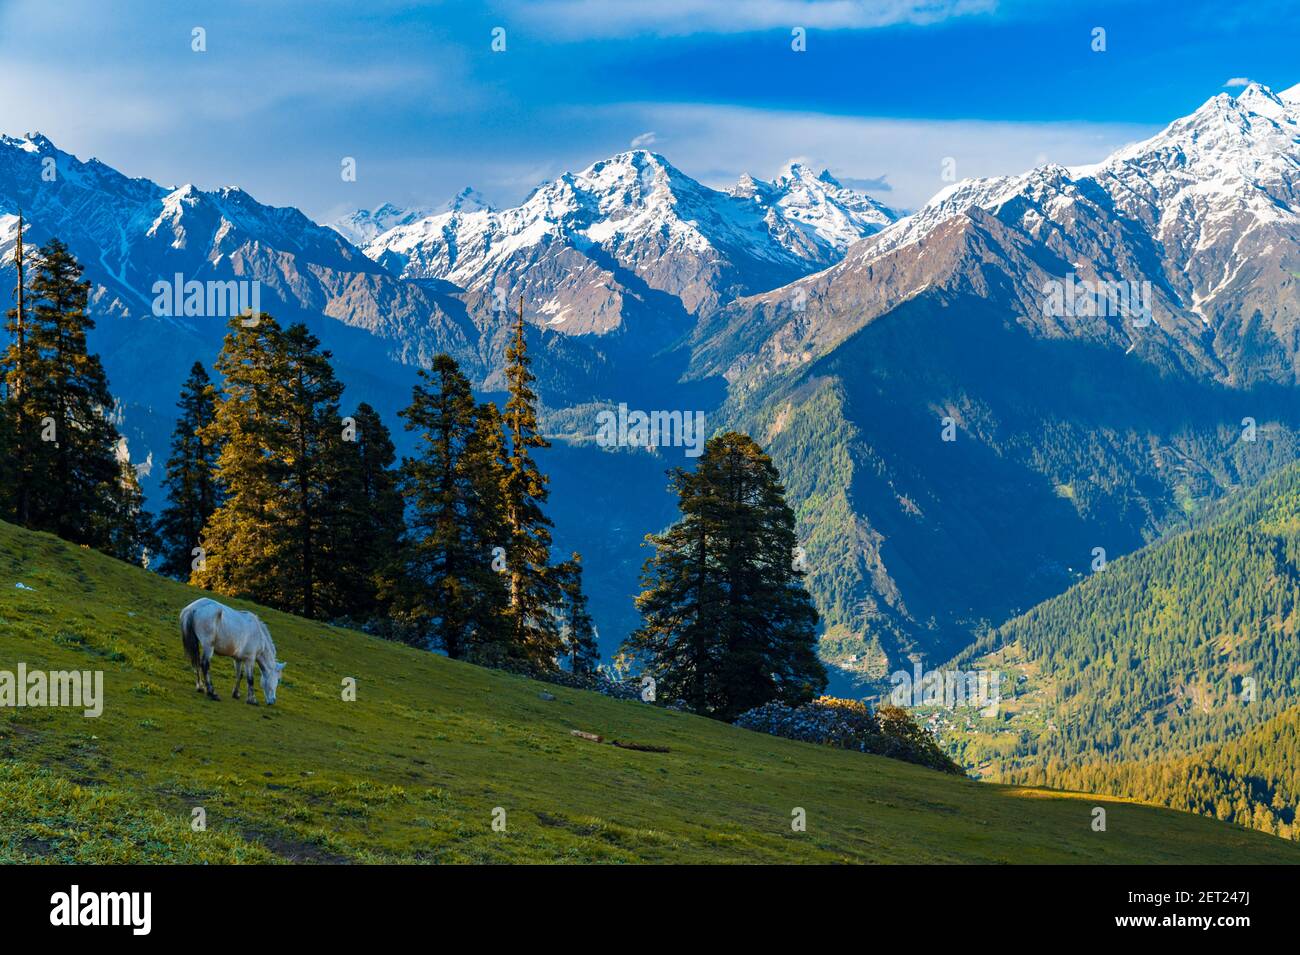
[{"x": 208, "y": 627}]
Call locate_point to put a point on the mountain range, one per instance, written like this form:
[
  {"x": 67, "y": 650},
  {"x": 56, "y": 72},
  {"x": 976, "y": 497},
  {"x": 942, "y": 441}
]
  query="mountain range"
[
  {"x": 364, "y": 224},
  {"x": 850, "y": 341},
  {"x": 1073, "y": 429}
]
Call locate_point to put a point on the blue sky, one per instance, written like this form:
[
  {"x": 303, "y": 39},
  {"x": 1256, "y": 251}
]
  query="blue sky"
[{"x": 883, "y": 93}]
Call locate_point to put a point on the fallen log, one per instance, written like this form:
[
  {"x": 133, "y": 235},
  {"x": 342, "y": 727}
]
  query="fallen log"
[
  {"x": 587, "y": 736},
  {"x": 642, "y": 747}
]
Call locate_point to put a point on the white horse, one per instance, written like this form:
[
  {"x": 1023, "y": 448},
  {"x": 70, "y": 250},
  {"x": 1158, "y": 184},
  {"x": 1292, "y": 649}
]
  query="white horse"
[{"x": 208, "y": 627}]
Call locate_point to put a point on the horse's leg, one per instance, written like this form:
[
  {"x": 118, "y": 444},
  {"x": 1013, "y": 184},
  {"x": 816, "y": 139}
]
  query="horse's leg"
[
  {"x": 207, "y": 675},
  {"x": 238, "y": 674},
  {"x": 252, "y": 698},
  {"x": 198, "y": 676}
]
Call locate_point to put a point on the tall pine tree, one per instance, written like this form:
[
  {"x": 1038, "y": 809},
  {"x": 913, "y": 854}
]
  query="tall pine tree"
[
  {"x": 19, "y": 434},
  {"x": 313, "y": 445},
  {"x": 576, "y": 628},
  {"x": 71, "y": 474},
  {"x": 533, "y": 594},
  {"x": 311, "y": 518},
  {"x": 728, "y": 624},
  {"x": 453, "y": 489},
  {"x": 243, "y": 541},
  {"x": 192, "y": 491},
  {"x": 363, "y": 521},
  {"x": 486, "y": 465},
  {"x": 279, "y": 430}
]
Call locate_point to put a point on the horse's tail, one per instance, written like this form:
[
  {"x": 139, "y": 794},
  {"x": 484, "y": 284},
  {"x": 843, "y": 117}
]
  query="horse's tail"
[{"x": 189, "y": 639}]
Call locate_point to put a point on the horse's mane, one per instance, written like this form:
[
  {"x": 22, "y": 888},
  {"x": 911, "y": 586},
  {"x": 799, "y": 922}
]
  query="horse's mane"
[{"x": 266, "y": 637}]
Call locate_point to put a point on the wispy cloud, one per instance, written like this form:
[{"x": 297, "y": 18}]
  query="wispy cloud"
[
  {"x": 603, "y": 18},
  {"x": 1238, "y": 81},
  {"x": 878, "y": 184},
  {"x": 415, "y": 95}
]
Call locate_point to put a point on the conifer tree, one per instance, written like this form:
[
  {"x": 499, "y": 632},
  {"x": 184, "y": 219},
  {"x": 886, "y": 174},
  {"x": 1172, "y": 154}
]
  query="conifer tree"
[
  {"x": 71, "y": 473},
  {"x": 243, "y": 541},
  {"x": 363, "y": 519},
  {"x": 728, "y": 624},
  {"x": 533, "y": 594},
  {"x": 192, "y": 492},
  {"x": 18, "y": 432},
  {"x": 313, "y": 445},
  {"x": 441, "y": 411},
  {"x": 453, "y": 489},
  {"x": 279, "y": 430},
  {"x": 486, "y": 465},
  {"x": 576, "y": 628}
]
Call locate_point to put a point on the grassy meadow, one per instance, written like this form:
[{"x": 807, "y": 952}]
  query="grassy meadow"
[{"x": 414, "y": 768}]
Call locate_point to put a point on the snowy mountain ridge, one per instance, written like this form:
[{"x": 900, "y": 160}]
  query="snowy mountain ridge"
[{"x": 620, "y": 206}]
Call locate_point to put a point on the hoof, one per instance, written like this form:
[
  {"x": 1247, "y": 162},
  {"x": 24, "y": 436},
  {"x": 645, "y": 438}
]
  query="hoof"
[
  {"x": 251, "y": 702},
  {"x": 214, "y": 698}
]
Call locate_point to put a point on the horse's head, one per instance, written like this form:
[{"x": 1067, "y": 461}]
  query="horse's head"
[
  {"x": 270, "y": 668},
  {"x": 270, "y": 680}
]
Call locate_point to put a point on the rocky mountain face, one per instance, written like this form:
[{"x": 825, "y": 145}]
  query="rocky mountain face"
[
  {"x": 141, "y": 243},
  {"x": 1098, "y": 339},
  {"x": 631, "y": 236},
  {"x": 813, "y": 213}
]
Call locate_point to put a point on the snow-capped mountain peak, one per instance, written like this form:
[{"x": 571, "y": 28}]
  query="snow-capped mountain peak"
[
  {"x": 468, "y": 199},
  {"x": 30, "y": 142},
  {"x": 362, "y": 226},
  {"x": 1260, "y": 99},
  {"x": 1235, "y": 154},
  {"x": 818, "y": 205},
  {"x": 638, "y": 210},
  {"x": 1203, "y": 218}
]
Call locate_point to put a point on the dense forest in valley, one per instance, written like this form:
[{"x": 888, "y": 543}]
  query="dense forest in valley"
[
  {"x": 1170, "y": 674},
  {"x": 1251, "y": 781}
]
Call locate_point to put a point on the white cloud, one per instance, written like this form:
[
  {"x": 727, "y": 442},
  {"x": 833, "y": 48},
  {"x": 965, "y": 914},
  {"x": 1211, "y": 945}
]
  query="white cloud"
[
  {"x": 121, "y": 83},
  {"x": 1238, "y": 81},
  {"x": 645, "y": 139},
  {"x": 603, "y": 18}
]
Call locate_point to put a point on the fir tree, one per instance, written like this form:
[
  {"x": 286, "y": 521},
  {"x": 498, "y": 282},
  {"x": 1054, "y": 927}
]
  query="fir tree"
[
  {"x": 19, "y": 433},
  {"x": 728, "y": 624},
  {"x": 363, "y": 520},
  {"x": 70, "y": 470},
  {"x": 576, "y": 628},
  {"x": 533, "y": 595},
  {"x": 243, "y": 541},
  {"x": 192, "y": 492},
  {"x": 485, "y": 466},
  {"x": 279, "y": 430},
  {"x": 452, "y": 487},
  {"x": 313, "y": 445}
]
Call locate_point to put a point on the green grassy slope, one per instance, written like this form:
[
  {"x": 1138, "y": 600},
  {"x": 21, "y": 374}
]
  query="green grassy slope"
[{"x": 413, "y": 769}]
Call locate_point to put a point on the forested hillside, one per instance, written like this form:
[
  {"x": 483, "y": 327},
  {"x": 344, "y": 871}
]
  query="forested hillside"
[
  {"x": 1252, "y": 781},
  {"x": 1154, "y": 667}
]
